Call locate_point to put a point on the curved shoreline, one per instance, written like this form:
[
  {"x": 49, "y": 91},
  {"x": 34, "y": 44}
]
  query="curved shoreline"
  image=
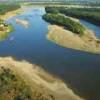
[
  {"x": 34, "y": 75},
  {"x": 7, "y": 28},
  {"x": 88, "y": 42},
  {"x": 11, "y": 14},
  {"x": 24, "y": 23}
]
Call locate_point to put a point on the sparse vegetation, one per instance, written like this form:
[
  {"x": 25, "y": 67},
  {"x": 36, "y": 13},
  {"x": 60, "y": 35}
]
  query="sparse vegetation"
[
  {"x": 5, "y": 29},
  {"x": 12, "y": 87}
]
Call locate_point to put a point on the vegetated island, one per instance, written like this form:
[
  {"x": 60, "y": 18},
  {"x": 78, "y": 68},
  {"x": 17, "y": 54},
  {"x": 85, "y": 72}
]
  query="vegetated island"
[
  {"x": 25, "y": 81},
  {"x": 7, "y": 11},
  {"x": 70, "y": 33},
  {"x": 91, "y": 15}
]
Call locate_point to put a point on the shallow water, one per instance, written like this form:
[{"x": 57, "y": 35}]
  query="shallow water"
[
  {"x": 80, "y": 70},
  {"x": 95, "y": 28}
]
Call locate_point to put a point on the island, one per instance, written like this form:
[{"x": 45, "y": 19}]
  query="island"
[
  {"x": 89, "y": 14},
  {"x": 65, "y": 31},
  {"x": 25, "y": 23}
]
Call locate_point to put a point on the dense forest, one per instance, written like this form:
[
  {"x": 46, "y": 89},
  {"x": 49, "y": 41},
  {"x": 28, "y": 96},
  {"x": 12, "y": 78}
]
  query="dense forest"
[
  {"x": 71, "y": 25},
  {"x": 90, "y": 14}
]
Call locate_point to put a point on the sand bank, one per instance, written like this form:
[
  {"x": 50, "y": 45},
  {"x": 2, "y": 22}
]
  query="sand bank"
[
  {"x": 43, "y": 81},
  {"x": 88, "y": 42},
  {"x": 25, "y": 23}
]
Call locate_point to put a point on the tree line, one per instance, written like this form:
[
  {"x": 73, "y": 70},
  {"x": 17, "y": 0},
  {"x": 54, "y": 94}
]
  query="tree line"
[
  {"x": 66, "y": 22},
  {"x": 89, "y": 14}
]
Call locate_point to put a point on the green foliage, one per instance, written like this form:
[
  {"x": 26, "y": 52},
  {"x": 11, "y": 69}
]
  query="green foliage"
[
  {"x": 8, "y": 7},
  {"x": 66, "y": 22},
  {"x": 90, "y": 14},
  {"x": 12, "y": 87},
  {"x": 51, "y": 10},
  {"x": 1, "y": 21}
]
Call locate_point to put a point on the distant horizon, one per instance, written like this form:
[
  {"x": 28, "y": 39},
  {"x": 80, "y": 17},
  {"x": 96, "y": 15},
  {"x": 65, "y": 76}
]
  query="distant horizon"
[{"x": 52, "y": 0}]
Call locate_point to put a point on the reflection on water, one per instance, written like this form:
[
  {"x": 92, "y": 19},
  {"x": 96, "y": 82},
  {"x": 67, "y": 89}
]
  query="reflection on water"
[{"x": 78, "y": 69}]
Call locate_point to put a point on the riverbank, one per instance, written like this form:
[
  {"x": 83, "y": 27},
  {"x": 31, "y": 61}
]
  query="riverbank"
[
  {"x": 89, "y": 14},
  {"x": 6, "y": 28},
  {"x": 10, "y": 14},
  {"x": 66, "y": 22},
  {"x": 87, "y": 42},
  {"x": 39, "y": 80}
]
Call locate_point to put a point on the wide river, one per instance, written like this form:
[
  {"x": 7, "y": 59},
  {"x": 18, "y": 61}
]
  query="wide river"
[{"x": 80, "y": 70}]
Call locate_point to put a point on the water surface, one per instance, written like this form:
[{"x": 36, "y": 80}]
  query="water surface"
[
  {"x": 94, "y": 28},
  {"x": 80, "y": 70}
]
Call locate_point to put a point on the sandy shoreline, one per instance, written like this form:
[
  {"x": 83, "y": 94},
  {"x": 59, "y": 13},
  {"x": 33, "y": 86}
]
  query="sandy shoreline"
[
  {"x": 25, "y": 23},
  {"x": 35, "y": 75},
  {"x": 88, "y": 42},
  {"x": 11, "y": 14},
  {"x": 4, "y": 33}
]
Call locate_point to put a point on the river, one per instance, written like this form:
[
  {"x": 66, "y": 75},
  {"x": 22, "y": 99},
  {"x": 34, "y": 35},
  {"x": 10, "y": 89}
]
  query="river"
[{"x": 80, "y": 70}]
